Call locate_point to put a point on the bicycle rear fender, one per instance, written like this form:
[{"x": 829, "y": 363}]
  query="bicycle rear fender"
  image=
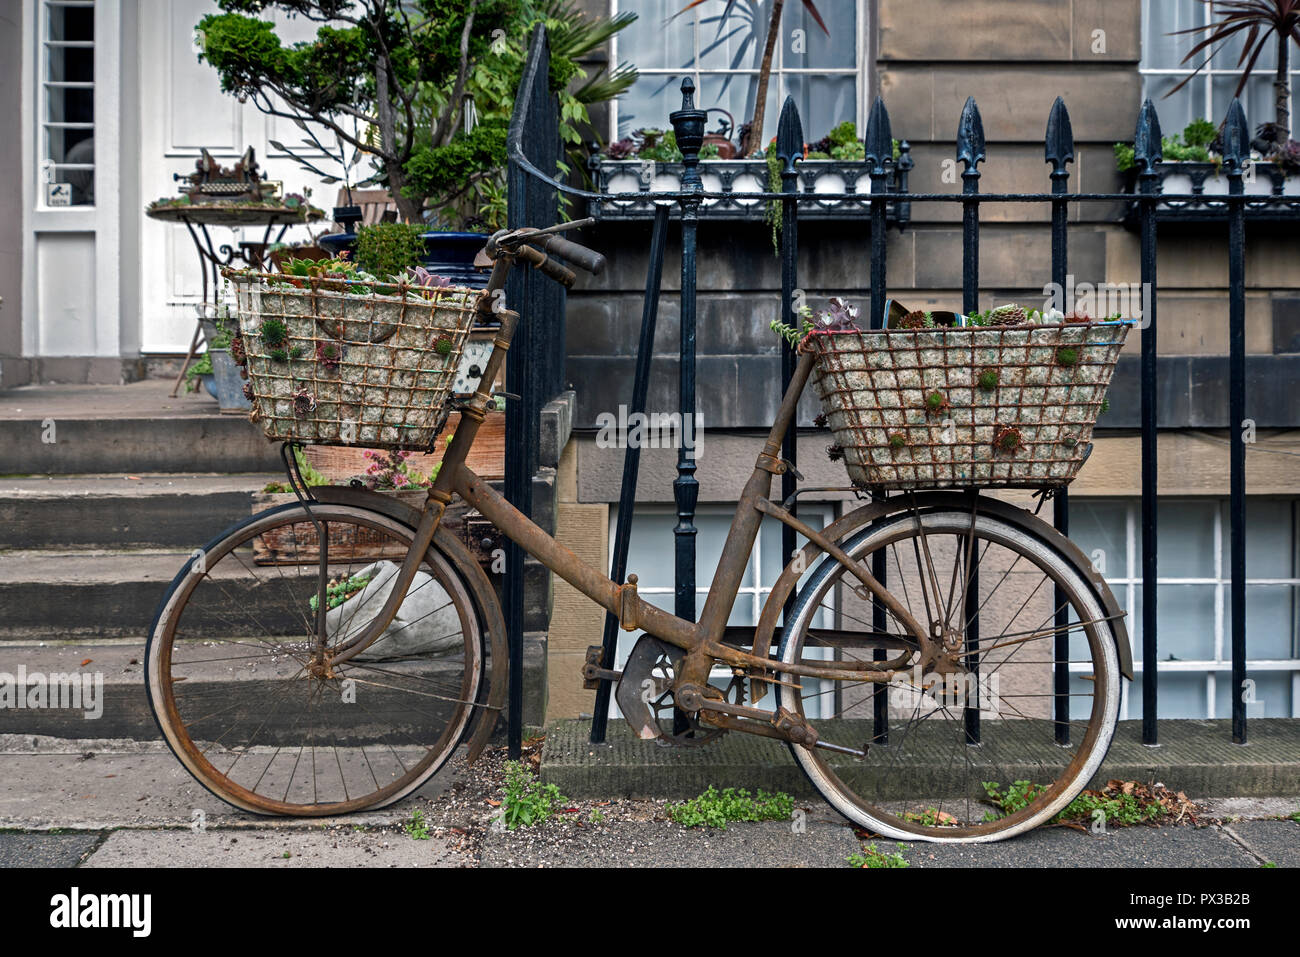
[
  {"x": 481, "y": 726},
  {"x": 863, "y": 516}
]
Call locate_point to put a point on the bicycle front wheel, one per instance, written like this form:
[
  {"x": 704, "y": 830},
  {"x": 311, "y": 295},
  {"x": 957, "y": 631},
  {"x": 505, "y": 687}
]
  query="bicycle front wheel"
[
  {"x": 237, "y": 694},
  {"x": 1000, "y": 733}
]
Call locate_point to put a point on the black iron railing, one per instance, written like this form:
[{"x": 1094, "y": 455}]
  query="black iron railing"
[{"x": 526, "y": 162}]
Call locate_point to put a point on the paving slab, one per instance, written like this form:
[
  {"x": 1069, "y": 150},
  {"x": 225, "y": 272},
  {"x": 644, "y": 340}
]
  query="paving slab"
[
  {"x": 143, "y": 786},
  {"x": 666, "y": 844},
  {"x": 1181, "y": 846},
  {"x": 44, "y": 849},
  {"x": 1275, "y": 841},
  {"x": 329, "y": 846}
]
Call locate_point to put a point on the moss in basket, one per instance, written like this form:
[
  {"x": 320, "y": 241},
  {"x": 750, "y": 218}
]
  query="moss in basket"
[
  {"x": 897, "y": 441},
  {"x": 936, "y": 402},
  {"x": 1067, "y": 356},
  {"x": 443, "y": 346},
  {"x": 988, "y": 379},
  {"x": 278, "y": 355}
]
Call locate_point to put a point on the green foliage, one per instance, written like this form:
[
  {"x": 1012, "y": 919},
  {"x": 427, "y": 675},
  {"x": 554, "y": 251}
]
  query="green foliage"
[
  {"x": 1123, "y": 810},
  {"x": 1018, "y": 796},
  {"x": 845, "y": 144},
  {"x": 715, "y": 808},
  {"x": 410, "y": 125},
  {"x": 388, "y": 250},
  {"x": 416, "y": 828},
  {"x": 789, "y": 333},
  {"x": 338, "y": 591},
  {"x": 527, "y": 801},
  {"x": 871, "y": 857},
  {"x": 1192, "y": 145}
]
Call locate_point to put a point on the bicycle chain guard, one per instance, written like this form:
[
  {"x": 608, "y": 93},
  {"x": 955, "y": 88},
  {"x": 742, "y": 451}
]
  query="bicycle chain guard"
[{"x": 644, "y": 695}]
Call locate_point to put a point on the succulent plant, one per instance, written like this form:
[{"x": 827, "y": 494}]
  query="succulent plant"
[
  {"x": 988, "y": 379},
  {"x": 936, "y": 402},
  {"x": 274, "y": 332},
  {"x": 1077, "y": 315},
  {"x": 237, "y": 351},
  {"x": 419, "y": 276},
  {"x": 834, "y": 452},
  {"x": 304, "y": 403},
  {"x": 839, "y": 315},
  {"x": 897, "y": 440},
  {"x": 1009, "y": 315},
  {"x": 329, "y": 354},
  {"x": 443, "y": 345},
  {"x": 916, "y": 319},
  {"x": 248, "y": 391},
  {"x": 1007, "y": 439},
  {"x": 820, "y": 420},
  {"x": 278, "y": 355}
]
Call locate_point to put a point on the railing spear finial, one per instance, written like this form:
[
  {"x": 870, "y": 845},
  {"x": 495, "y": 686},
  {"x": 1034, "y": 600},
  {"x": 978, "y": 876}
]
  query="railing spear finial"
[
  {"x": 789, "y": 134},
  {"x": 879, "y": 141},
  {"x": 1059, "y": 144},
  {"x": 1147, "y": 149},
  {"x": 970, "y": 134},
  {"x": 1236, "y": 138}
]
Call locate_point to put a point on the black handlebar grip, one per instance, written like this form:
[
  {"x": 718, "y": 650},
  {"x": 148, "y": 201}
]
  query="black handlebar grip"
[{"x": 582, "y": 257}]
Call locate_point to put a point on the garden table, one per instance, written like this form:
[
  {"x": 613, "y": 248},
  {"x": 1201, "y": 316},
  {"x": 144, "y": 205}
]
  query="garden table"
[{"x": 199, "y": 218}]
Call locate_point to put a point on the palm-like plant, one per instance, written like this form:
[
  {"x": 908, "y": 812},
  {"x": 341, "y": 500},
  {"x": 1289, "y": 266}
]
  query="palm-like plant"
[
  {"x": 1262, "y": 21},
  {"x": 754, "y": 135}
]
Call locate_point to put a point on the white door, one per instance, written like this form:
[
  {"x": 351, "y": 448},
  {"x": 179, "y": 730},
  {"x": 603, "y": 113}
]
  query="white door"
[{"x": 182, "y": 111}]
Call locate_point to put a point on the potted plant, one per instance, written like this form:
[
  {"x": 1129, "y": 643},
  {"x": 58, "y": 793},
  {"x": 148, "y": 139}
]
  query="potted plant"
[
  {"x": 422, "y": 91},
  {"x": 1191, "y": 161},
  {"x": 649, "y": 161}
]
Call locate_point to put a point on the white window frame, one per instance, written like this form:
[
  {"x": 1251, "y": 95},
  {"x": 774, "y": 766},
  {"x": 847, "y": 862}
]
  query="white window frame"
[
  {"x": 861, "y": 70},
  {"x": 44, "y": 84},
  {"x": 1130, "y": 583},
  {"x": 1218, "y": 68}
]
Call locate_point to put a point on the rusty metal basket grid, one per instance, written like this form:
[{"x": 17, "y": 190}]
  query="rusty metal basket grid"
[
  {"x": 354, "y": 367},
  {"x": 961, "y": 407}
]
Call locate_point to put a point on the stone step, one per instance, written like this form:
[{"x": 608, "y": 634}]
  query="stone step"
[
  {"x": 123, "y": 511},
  {"x": 90, "y": 429}
]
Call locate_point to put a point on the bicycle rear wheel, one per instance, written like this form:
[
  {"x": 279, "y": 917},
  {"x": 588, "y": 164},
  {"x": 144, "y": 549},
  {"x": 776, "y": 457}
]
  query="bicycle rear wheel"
[
  {"x": 972, "y": 747},
  {"x": 230, "y": 677}
]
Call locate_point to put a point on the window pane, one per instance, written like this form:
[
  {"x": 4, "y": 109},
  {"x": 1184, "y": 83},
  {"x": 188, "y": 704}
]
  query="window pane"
[
  {"x": 1100, "y": 529},
  {"x": 647, "y": 104},
  {"x": 735, "y": 42},
  {"x": 1270, "y": 621},
  {"x": 819, "y": 51},
  {"x": 770, "y": 536},
  {"x": 651, "y": 552},
  {"x": 735, "y": 93},
  {"x": 1160, "y": 18},
  {"x": 1270, "y": 539},
  {"x": 824, "y": 102},
  {"x": 1179, "y": 695},
  {"x": 1179, "y": 109},
  {"x": 1186, "y": 617},
  {"x": 1185, "y": 546},
  {"x": 1271, "y": 691},
  {"x": 657, "y": 39}
]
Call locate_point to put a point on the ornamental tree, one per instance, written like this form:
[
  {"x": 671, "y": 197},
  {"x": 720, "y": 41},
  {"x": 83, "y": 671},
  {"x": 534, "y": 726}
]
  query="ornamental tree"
[{"x": 391, "y": 78}]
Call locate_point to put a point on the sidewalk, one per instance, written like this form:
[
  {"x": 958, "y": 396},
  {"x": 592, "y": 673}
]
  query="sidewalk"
[{"x": 109, "y": 804}]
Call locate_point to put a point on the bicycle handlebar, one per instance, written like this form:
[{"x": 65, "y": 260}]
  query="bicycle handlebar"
[{"x": 582, "y": 257}]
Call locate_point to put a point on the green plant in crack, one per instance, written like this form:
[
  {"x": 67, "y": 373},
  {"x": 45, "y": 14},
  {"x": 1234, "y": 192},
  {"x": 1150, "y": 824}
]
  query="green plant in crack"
[
  {"x": 716, "y": 808},
  {"x": 417, "y": 829},
  {"x": 527, "y": 800},
  {"x": 872, "y": 857}
]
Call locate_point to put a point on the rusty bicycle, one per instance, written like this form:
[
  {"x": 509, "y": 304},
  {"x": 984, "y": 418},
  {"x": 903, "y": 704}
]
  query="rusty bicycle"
[{"x": 919, "y": 655}]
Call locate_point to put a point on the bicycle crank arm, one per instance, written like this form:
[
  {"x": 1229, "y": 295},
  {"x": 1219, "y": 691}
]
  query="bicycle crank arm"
[{"x": 782, "y": 724}]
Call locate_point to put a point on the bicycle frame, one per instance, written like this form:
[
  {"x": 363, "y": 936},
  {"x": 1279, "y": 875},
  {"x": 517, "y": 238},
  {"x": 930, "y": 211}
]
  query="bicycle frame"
[{"x": 702, "y": 640}]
